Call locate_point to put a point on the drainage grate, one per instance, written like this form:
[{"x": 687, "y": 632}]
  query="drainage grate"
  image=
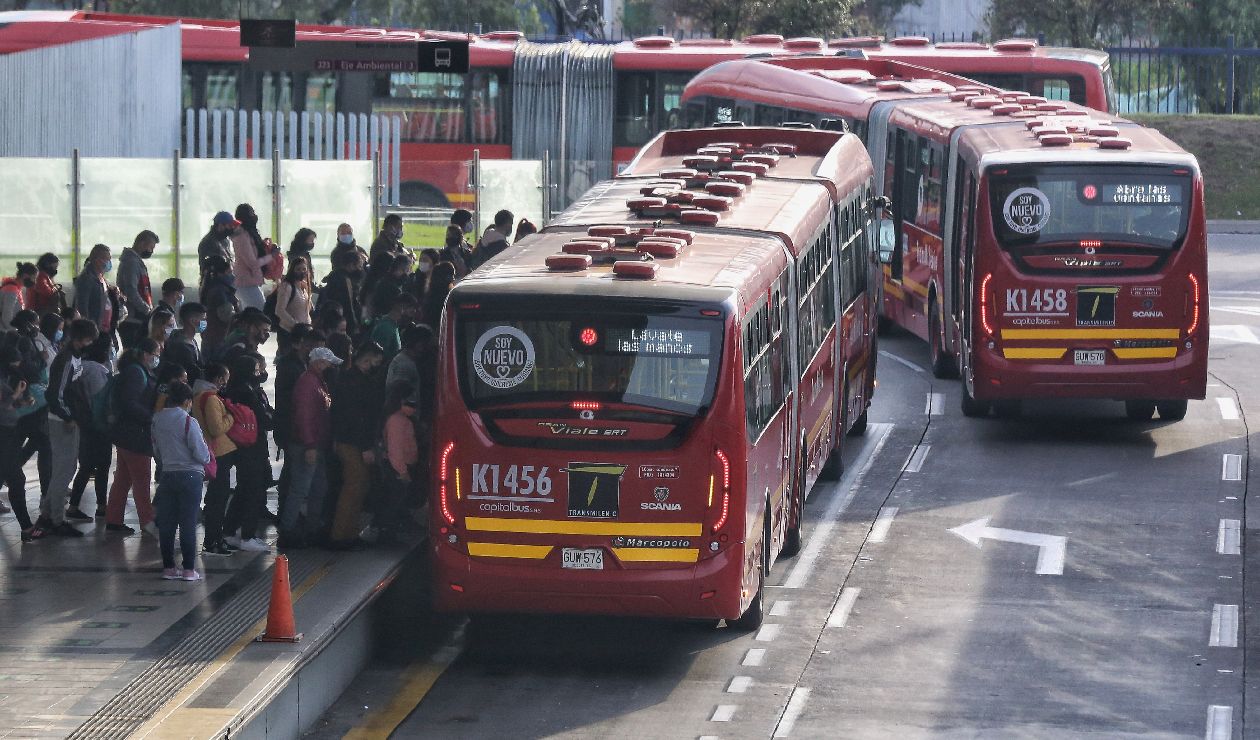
[{"x": 161, "y": 681}]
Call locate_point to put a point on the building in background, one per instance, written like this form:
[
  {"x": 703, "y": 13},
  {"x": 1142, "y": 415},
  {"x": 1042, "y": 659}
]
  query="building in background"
[{"x": 951, "y": 17}]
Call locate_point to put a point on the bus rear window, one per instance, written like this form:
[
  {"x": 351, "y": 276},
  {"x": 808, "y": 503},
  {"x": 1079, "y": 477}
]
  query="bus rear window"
[
  {"x": 661, "y": 362},
  {"x": 1044, "y": 205}
]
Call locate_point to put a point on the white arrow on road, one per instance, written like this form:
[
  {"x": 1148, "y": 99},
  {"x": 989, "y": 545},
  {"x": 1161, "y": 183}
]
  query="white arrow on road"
[{"x": 1049, "y": 559}]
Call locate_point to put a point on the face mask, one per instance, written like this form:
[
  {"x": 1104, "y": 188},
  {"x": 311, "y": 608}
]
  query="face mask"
[
  {"x": 249, "y": 221},
  {"x": 58, "y": 336},
  {"x": 109, "y": 265},
  {"x": 52, "y": 273},
  {"x": 310, "y": 246},
  {"x": 346, "y": 239},
  {"x": 179, "y": 302},
  {"x": 154, "y": 362},
  {"x": 261, "y": 377},
  {"x": 468, "y": 228},
  {"x": 398, "y": 232},
  {"x": 201, "y": 326},
  {"x": 29, "y": 282},
  {"x": 168, "y": 331},
  {"x": 424, "y": 267}
]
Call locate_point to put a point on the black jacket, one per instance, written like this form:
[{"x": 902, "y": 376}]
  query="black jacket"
[
  {"x": 179, "y": 348},
  {"x": 60, "y": 375},
  {"x": 135, "y": 392},
  {"x": 356, "y": 409},
  {"x": 343, "y": 288}
]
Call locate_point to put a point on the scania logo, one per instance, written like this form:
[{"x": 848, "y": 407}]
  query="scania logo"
[{"x": 661, "y": 493}]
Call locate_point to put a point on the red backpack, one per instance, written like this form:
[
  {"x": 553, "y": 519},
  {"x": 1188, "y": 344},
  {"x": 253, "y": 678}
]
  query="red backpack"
[{"x": 244, "y": 429}]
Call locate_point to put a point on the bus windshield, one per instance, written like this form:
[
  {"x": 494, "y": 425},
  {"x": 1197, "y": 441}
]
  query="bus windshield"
[
  {"x": 659, "y": 361},
  {"x": 1051, "y": 204}
]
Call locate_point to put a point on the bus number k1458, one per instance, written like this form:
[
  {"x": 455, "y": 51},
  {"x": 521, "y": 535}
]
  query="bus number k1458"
[
  {"x": 1046, "y": 300},
  {"x": 517, "y": 480}
]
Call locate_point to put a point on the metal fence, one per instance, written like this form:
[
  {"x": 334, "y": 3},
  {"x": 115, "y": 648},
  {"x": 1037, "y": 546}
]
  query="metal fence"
[{"x": 1223, "y": 78}]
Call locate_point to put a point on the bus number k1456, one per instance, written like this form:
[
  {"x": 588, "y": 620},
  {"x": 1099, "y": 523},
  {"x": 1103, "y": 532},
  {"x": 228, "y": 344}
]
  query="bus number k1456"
[
  {"x": 1046, "y": 300},
  {"x": 517, "y": 480}
]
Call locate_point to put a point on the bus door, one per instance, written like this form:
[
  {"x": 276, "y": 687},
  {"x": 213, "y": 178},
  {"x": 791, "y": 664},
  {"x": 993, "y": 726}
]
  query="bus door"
[{"x": 952, "y": 218}]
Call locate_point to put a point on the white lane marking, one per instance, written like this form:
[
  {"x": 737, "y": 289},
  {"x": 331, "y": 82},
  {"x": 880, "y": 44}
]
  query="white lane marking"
[
  {"x": 1231, "y": 467},
  {"x": 935, "y": 404},
  {"x": 739, "y": 685},
  {"x": 768, "y": 632},
  {"x": 1220, "y": 723},
  {"x": 754, "y": 657},
  {"x": 918, "y": 455},
  {"x": 820, "y": 537},
  {"x": 1052, "y": 548},
  {"x": 1224, "y": 626},
  {"x": 723, "y": 713},
  {"x": 844, "y": 606},
  {"x": 903, "y": 361},
  {"x": 780, "y": 608},
  {"x": 1095, "y": 479},
  {"x": 1245, "y": 310},
  {"x": 795, "y": 706},
  {"x": 1233, "y": 333},
  {"x": 1228, "y": 538},
  {"x": 883, "y": 523},
  {"x": 1229, "y": 410}
]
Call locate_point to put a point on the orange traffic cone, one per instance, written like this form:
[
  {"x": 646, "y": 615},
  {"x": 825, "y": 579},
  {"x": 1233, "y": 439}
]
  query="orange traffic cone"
[{"x": 280, "y": 624}]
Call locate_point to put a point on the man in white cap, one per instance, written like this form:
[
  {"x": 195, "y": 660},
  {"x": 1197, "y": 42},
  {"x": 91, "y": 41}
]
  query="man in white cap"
[{"x": 308, "y": 452}]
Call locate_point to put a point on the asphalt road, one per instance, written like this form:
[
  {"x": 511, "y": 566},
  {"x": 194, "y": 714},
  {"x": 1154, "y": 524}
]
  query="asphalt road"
[{"x": 1065, "y": 573}]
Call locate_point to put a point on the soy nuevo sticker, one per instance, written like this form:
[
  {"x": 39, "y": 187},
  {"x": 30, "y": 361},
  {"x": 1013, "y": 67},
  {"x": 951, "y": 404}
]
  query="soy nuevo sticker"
[
  {"x": 1027, "y": 210},
  {"x": 503, "y": 357}
]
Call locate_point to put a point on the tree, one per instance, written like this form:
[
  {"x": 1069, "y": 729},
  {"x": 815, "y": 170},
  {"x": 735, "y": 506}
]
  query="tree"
[
  {"x": 734, "y": 18},
  {"x": 1081, "y": 23}
]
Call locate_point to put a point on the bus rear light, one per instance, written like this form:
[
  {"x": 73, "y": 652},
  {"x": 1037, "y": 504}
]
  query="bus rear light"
[
  {"x": 1090, "y": 243},
  {"x": 585, "y": 405},
  {"x": 984, "y": 305},
  {"x": 444, "y": 471},
  {"x": 724, "y": 463},
  {"x": 1194, "y": 304},
  {"x": 708, "y": 594},
  {"x": 457, "y": 588}
]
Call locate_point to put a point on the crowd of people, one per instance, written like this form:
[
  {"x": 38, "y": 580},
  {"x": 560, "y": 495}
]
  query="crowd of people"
[{"x": 113, "y": 377}]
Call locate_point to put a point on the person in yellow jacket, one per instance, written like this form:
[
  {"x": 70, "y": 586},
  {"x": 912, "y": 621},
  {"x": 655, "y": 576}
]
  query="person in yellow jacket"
[{"x": 215, "y": 421}]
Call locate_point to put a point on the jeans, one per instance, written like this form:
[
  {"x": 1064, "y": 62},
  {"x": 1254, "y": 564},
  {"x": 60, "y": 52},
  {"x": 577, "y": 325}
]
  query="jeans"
[
  {"x": 179, "y": 496},
  {"x": 95, "y": 456},
  {"x": 356, "y": 477},
  {"x": 217, "y": 493},
  {"x": 135, "y": 472},
  {"x": 63, "y": 441},
  {"x": 308, "y": 485}
]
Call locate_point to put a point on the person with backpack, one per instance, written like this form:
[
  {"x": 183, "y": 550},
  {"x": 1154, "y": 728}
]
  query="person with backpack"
[
  {"x": 218, "y": 295},
  {"x": 96, "y": 454},
  {"x": 63, "y": 430},
  {"x": 215, "y": 421},
  {"x": 290, "y": 302},
  {"x": 252, "y": 255},
  {"x": 342, "y": 287},
  {"x": 251, "y": 331},
  {"x": 182, "y": 456},
  {"x": 253, "y": 462},
  {"x": 130, "y": 399}
]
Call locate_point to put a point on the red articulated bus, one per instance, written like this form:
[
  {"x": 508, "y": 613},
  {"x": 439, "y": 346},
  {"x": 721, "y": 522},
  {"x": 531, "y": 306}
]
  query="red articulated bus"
[
  {"x": 634, "y": 403},
  {"x": 1042, "y": 249},
  {"x": 626, "y": 94}
]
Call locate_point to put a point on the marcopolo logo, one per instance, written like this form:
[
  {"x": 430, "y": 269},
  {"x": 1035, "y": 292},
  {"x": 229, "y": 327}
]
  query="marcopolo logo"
[
  {"x": 1027, "y": 211},
  {"x": 503, "y": 357}
]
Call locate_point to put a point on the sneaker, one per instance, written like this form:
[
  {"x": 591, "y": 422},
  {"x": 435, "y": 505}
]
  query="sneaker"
[
  {"x": 172, "y": 574},
  {"x": 232, "y": 541},
  {"x": 150, "y": 528},
  {"x": 66, "y": 529},
  {"x": 190, "y": 575},
  {"x": 77, "y": 515},
  {"x": 215, "y": 548},
  {"x": 255, "y": 545},
  {"x": 120, "y": 528}
]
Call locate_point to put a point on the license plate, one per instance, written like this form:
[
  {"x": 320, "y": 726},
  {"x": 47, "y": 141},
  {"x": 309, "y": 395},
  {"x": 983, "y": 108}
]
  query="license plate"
[
  {"x": 1090, "y": 356},
  {"x": 583, "y": 559}
]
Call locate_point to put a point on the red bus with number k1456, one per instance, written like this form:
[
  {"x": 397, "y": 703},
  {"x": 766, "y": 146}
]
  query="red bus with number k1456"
[{"x": 634, "y": 403}]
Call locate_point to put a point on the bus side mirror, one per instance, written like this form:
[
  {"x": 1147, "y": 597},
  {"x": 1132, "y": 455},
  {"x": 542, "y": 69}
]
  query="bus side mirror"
[
  {"x": 887, "y": 240},
  {"x": 880, "y": 203}
]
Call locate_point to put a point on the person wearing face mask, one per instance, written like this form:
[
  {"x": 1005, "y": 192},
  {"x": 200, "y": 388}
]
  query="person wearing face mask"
[
  {"x": 398, "y": 469},
  {"x": 252, "y": 329},
  {"x": 63, "y": 431},
  {"x": 345, "y": 243},
  {"x": 457, "y": 251},
  {"x": 49, "y": 337},
  {"x": 302, "y": 245},
  {"x": 253, "y": 463},
  {"x": 47, "y": 296},
  {"x": 293, "y": 298},
  {"x": 424, "y": 272},
  {"x": 161, "y": 326},
  {"x": 216, "y": 243},
  {"x": 91, "y": 289},
  {"x": 215, "y": 420},
  {"x": 341, "y": 287},
  {"x": 302, "y": 514},
  {"x": 96, "y": 454},
  {"x": 133, "y": 283},
  {"x": 355, "y": 415},
  {"x": 131, "y": 413},
  {"x": 253, "y": 253},
  {"x": 15, "y": 293},
  {"x": 389, "y": 240},
  {"x": 172, "y": 295},
  {"x": 219, "y": 297},
  {"x": 181, "y": 347}
]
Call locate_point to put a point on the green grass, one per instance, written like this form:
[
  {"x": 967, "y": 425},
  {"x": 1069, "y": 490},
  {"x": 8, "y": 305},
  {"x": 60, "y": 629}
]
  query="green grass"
[
  {"x": 421, "y": 236},
  {"x": 1228, "y": 148}
]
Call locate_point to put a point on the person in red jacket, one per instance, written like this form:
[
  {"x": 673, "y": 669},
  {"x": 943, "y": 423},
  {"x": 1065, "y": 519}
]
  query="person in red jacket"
[
  {"x": 308, "y": 452},
  {"x": 15, "y": 294},
  {"x": 47, "y": 296}
]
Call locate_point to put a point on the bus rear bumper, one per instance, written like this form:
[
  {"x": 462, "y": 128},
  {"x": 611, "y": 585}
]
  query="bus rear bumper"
[
  {"x": 998, "y": 379},
  {"x": 708, "y": 589}
]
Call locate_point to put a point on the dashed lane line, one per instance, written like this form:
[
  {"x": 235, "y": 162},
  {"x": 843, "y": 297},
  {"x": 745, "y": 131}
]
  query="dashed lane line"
[
  {"x": 739, "y": 685},
  {"x": 1228, "y": 537},
  {"x": 901, "y": 361},
  {"x": 839, "y": 616},
  {"x": 918, "y": 456},
  {"x": 1220, "y": 723},
  {"x": 1229, "y": 409},
  {"x": 1224, "y": 626},
  {"x": 754, "y": 657},
  {"x": 1231, "y": 467},
  {"x": 795, "y": 706},
  {"x": 883, "y": 523},
  {"x": 935, "y": 404},
  {"x": 768, "y": 632},
  {"x": 723, "y": 713},
  {"x": 780, "y": 608},
  {"x": 820, "y": 536}
]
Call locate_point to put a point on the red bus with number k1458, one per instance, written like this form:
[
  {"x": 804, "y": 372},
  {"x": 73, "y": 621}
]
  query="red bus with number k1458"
[{"x": 634, "y": 403}]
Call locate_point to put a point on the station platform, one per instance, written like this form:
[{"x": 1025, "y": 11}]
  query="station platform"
[{"x": 94, "y": 644}]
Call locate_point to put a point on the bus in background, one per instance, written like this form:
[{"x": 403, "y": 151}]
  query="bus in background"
[
  {"x": 1042, "y": 249},
  {"x": 616, "y": 97},
  {"x": 634, "y": 403}
]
